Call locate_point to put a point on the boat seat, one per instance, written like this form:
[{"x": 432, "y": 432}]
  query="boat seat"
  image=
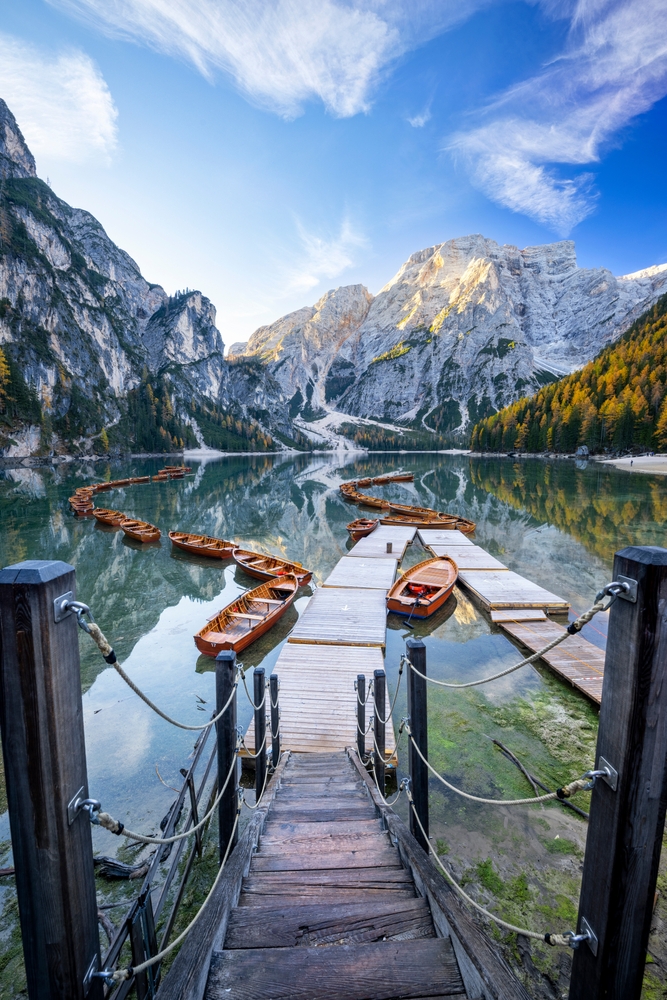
[
  {"x": 240, "y": 614},
  {"x": 266, "y": 600}
]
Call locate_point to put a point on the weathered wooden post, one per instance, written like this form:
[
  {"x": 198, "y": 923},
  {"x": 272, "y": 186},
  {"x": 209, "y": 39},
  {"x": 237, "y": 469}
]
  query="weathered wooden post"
[
  {"x": 45, "y": 765},
  {"x": 418, "y": 722},
  {"x": 627, "y": 815},
  {"x": 274, "y": 686},
  {"x": 361, "y": 716},
  {"x": 379, "y": 691},
  {"x": 259, "y": 696},
  {"x": 225, "y": 676}
]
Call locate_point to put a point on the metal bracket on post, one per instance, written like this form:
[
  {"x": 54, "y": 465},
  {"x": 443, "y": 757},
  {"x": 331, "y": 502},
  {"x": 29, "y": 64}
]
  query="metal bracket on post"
[
  {"x": 631, "y": 593},
  {"x": 611, "y": 777},
  {"x": 74, "y": 806},
  {"x": 61, "y": 609},
  {"x": 591, "y": 936},
  {"x": 90, "y": 975}
]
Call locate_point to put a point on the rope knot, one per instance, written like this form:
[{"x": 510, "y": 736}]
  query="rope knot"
[{"x": 111, "y": 824}]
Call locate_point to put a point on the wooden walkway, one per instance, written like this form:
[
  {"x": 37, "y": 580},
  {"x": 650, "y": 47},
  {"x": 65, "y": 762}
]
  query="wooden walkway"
[
  {"x": 328, "y": 897},
  {"x": 575, "y": 659},
  {"x": 318, "y": 704},
  {"x": 374, "y": 546}
]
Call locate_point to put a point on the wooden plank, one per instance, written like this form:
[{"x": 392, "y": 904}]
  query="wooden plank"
[
  {"x": 318, "y": 894},
  {"x": 327, "y": 843},
  {"x": 341, "y": 878},
  {"x": 436, "y": 536},
  {"x": 362, "y": 858},
  {"x": 374, "y": 546},
  {"x": 317, "y": 816},
  {"x": 353, "y": 923},
  {"x": 505, "y": 589},
  {"x": 468, "y": 556},
  {"x": 343, "y": 616},
  {"x": 576, "y": 659},
  {"x": 518, "y": 615},
  {"x": 370, "y": 971},
  {"x": 375, "y": 574},
  {"x": 318, "y": 701},
  {"x": 307, "y": 828}
]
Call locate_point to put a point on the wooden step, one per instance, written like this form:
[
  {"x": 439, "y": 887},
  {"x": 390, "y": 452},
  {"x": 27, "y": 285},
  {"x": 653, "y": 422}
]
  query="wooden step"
[
  {"x": 323, "y": 860},
  {"x": 331, "y": 843},
  {"x": 379, "y": 971},
  {"x": 302, "y": 814},
  {"x": 291, "y": 926}
]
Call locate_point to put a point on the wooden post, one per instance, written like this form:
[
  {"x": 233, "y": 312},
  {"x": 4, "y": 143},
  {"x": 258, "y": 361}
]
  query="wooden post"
[
  {"x": 361, "y": 716},
  {"x": 418, "y": 722},
  {"x": 259, "y": 692},
  {"x": 45, "y": 765},
  {"x": 225, "y": 675},
  {"x": 379, "y": 691},
  {"x": 274, "y": 687},
  {"x": 627, "y": 815}
]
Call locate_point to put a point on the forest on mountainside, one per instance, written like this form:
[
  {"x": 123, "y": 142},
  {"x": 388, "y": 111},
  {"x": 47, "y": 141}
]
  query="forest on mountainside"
[{"x": 617, "y": 402}]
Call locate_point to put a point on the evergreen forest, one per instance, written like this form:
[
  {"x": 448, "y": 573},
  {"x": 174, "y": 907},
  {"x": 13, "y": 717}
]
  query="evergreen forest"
[{"x": 617, "y": 402}]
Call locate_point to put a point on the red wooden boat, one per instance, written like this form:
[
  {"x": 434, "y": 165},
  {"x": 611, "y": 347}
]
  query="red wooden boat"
[
  {"x": 268, "y": 567},
  {"x": 141, "y": 531},
  {"x": 423, "y": 588},
  {"x": 362, "y": 527},
  {"x": 202, "y": 545},
  {"x": 248, "y": 617},
  {"x": 445, "y": 522}
]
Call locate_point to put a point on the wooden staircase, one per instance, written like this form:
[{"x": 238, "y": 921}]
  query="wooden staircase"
[{"x": 327, "y": 909}]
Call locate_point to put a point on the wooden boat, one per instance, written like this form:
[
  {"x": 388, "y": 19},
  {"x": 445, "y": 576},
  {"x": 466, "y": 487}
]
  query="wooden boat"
[
  {"x": 412, "y": 510},
  {"x": 267, "y": 567},
  {"x": 140, "y": 479},
  {"x": 141, "y": 531},
  {"x": 445, "y": 522},
  {"x": 398, "y": 477},
  {"x": 176, "y": 468},
  {"x": 424, "y": 588},
  {"x": 361, "y": 527},
  {"x": 202, "y": 545},
  {"x": 111, "y": 517},
  {"x": 101, "y": 487},
  {"x": 377, "y": 502},
  {"x": 248, "y": 617},
  {"x": 116, "y": 484}
]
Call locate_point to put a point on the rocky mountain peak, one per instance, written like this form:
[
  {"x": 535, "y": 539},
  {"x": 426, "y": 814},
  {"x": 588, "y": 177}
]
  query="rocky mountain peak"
[{"x": 16, "y": 160}]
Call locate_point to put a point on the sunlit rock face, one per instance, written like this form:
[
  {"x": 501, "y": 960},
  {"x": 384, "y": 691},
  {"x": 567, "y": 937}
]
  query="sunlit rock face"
[
  {"x": 75, "y": 308},
  {"x": 464, "y": 327}
]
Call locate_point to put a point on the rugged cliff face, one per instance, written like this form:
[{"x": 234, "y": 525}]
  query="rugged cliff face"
[
  {"x": 462, "y": 329},
  {"x": 80, "y": 325}
]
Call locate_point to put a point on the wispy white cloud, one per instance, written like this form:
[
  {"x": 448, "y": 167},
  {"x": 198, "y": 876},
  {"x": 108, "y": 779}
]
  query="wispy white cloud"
[
  {"x": 322, "y": 257},
  {"x": 418, "y": 121},
  {"x": 613, "y": 68},
  {"x": 60, "y": 100},
  {"x": 282, "y": 53}
]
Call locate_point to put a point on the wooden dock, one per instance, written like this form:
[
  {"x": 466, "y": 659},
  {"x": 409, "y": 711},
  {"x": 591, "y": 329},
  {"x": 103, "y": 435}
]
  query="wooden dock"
[
  {"x": 328, "y": 897},
  {"x": 371, "y": 573},
  {"x": 576, "y": 659},
  {"x": 343, "y": 616},
  {"x": 397, "y": 536}
]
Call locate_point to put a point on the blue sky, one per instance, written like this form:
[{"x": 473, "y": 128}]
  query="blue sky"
[{"x": 265, "y": 151}]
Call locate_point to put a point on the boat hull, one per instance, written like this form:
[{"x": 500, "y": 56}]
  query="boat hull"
[
  {"x": 259, "y": 572},
  {"x": 421, "y": 610},
  {"x": 424, "y": 588},
  {"x": 140, "y": 531},
  {"x": 210, "y": 646},
  {"x": 361, "y": 527},
  {"x": 202, "y": 545},
  {"x": 112, "y": 518}
]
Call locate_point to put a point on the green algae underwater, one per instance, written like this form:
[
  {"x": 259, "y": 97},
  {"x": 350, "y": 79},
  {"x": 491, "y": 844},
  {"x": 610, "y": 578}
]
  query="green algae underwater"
[{"x": 557, "y": 523}]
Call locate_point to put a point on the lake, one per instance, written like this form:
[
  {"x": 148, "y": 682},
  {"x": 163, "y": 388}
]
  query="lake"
[{"x": 557, "y": 523}]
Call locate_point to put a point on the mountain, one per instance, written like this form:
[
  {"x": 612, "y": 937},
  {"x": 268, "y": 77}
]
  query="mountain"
[
  {"x": 92, "y": 354},
  {"x": 462, "y": 329},
  {"x": 617, "y": 401}
]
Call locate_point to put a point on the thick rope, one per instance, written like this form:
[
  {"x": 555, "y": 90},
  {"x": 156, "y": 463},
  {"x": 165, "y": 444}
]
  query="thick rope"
[
  {"x": 115, "y": 826},
  {"x": 572, "y": 629},
  {"x": 107, "y": 652},
  {"x": 553, "y": 939},
  {"x": 261, "y": 749},
  {"x": 263, "y": 701},
  {"x": 121, "y": 975},
  {"x": 386, "y": 721},
  {"x": 368, "y": 693},
  {"x": 561, "y": 793},
  {"x": 261, "y": 794}
]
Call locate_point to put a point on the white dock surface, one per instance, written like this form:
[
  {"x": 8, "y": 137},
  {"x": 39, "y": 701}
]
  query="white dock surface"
[
  {"x": 344, "y": 616},
  {"x": 373, "y": 574},
  {"x": 374, "y": 546},
  {"x": 318, "y": 703},
  {"x": 437, "y": 536},
  {"x": 505, "y": 589},
  {"x": 468, "y": 556}
]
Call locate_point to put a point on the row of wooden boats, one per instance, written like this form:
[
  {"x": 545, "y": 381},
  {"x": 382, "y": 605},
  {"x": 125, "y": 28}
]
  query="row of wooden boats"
[
  {"x": 398, "y": 513},
  {"x": 82, "y": 503}
]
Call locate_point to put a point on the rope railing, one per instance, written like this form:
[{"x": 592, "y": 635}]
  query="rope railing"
[
  {"x": 567, "y": 940},
  {"x": 106, "y": 649},
  {"x": 262, "y": 703},
  {"x": 385, "y": 722},
  {"x": 572, "y": 629},
  {"x": 584, "y": 783}
]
